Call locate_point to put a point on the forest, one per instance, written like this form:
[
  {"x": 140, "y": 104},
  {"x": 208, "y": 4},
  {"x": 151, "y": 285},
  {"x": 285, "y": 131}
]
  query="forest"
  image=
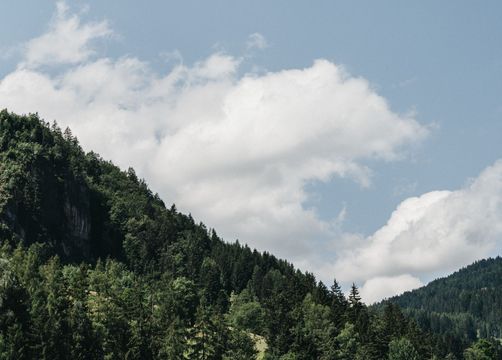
[
  {"x": 461, "y": 307},
  {"x": 93, "y": 265}
]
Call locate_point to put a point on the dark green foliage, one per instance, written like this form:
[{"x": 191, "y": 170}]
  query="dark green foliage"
[
  {"x": 461, "y": 307},
  {"x": 348, "y": 343},
  {"x": 14, "y": 315},
  {"x": 209, "y": 335},
  {"x": 94, "y": 266},
  {"x": 402, "y": 349},
  {"x": 484, "y": 349},
  {"x": 339, "y": 305},
  {"x": 240, "y": 346},
  {"x": 313, "y": 331},
  {"x": 247, "y": 313}
]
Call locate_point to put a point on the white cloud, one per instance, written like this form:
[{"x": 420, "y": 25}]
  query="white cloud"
[
  {"x": 427, "y": 236},
  {"x": 66, "y": 42},
  {"x": 234, "y": 150},
  {"x": 243, "y": 161},
  {"x": 380, "y": 287},
  {"x": 256, "y": 41}
]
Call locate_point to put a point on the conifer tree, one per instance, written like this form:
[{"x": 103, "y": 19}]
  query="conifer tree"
[
  {"x": 56, "y": 325},
  {"x": 209, "y": 335},
  {"x": 14, "y": 316},
  {"x": 339, "y": 305},
  {"x": 355, "y": 306},
  {"x": 175, "y": 341}
]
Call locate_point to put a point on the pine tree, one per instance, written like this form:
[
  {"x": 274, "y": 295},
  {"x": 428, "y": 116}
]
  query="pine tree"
[
  {"x": 14, "y": 316},
  {"x": 50, "y": 312},
  {"x": 209, "y": 335},
  {"x": 209, "y": 282},
  {"x": 175, "y": 342},
  {"x": 355, "y": 305},
  {"x": 339, "y": 306},
  {"x": 357, "y": 314}
]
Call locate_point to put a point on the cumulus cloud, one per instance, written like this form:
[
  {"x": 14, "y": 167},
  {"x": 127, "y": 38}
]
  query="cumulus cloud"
[
  {"x": 235, "y": 150},
  {"x": 66, "y": 42},
  {"x": 380, "y": 287},
  {"x": 427, "y": 236}
]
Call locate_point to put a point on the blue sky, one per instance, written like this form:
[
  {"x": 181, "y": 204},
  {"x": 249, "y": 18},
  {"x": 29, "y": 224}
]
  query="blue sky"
[{"x": 437, "y": 65}]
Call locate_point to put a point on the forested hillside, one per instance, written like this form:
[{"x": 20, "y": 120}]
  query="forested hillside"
[
  {"x": 93, "y": 265},
  {"x": 461, "y": 307}
]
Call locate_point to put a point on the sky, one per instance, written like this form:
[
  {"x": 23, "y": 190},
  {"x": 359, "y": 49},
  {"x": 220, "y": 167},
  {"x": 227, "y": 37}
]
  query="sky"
[{"x": 359, "y": 140}]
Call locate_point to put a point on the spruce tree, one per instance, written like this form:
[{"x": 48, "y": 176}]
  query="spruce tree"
[{"x": 339, "y": 306}]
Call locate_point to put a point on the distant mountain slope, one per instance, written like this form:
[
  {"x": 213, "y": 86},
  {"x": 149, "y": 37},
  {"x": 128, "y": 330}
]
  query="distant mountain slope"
[
  {"x": 467, "y": 304},
  {"x": 93, "y": 265}
]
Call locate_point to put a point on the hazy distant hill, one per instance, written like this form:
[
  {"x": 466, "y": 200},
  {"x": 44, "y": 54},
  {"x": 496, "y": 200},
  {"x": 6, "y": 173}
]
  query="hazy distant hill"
[{"x": 467, "y": 304}]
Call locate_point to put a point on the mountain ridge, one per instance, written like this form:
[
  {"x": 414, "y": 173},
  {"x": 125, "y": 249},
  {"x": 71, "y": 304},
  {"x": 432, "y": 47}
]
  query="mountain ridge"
[
  {"x": 466, "y": 304},
  {"x": 93, "y": 265}
]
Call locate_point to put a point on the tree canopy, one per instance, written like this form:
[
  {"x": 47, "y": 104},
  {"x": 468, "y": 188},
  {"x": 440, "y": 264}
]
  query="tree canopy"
[{"x": 93, "y": 265}]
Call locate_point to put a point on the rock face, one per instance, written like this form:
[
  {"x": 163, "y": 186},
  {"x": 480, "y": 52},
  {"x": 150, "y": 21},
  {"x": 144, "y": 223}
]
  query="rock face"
[
  {"x": 57, "y": 213},
  {"x": 51, "y": 192},
  {"x": 78, "y": 221}
]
